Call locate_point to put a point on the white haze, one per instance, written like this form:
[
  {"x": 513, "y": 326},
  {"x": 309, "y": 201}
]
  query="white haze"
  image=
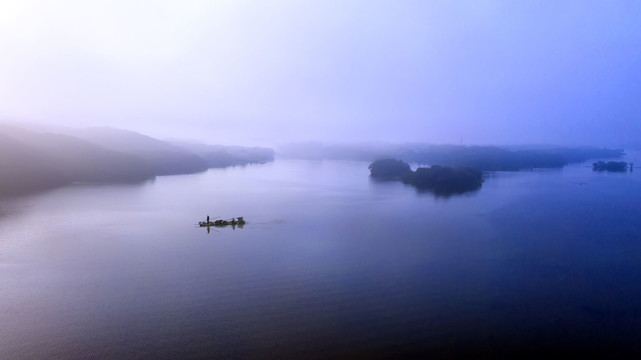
[{"x": 251, "y": 72}]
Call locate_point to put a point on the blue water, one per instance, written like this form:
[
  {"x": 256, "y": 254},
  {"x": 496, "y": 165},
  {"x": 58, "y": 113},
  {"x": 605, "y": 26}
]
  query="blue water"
[{"x": 329, "y": 265}]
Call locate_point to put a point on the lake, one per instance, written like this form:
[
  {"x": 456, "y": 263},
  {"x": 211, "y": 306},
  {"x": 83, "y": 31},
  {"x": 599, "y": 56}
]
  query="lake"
[{"x": 329, "y": 265}]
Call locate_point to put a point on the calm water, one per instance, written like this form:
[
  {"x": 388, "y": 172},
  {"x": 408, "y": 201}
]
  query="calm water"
[{"x": 329, "y": 265}]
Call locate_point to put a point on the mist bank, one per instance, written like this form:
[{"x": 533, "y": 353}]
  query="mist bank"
[
  {"x": 32, "y": 160},
  {"x": 220, "y": 156},
  {"x": 484, "y": 158}
]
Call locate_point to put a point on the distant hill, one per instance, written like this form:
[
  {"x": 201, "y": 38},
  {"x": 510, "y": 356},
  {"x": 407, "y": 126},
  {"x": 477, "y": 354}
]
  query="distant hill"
[
  {"x": 24, "y": 169},
  {"x": 33, "y": 161},
  {"x": 165, "y": 158},
  {"x": 41, "y": 159}
]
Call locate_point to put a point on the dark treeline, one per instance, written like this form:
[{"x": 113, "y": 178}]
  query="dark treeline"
[
  {"x": 484, "y": 158},
  {"x": 611, "y": 166},
  {"x": 32, "y": 160},
  {"x": 440, "y": 180}
]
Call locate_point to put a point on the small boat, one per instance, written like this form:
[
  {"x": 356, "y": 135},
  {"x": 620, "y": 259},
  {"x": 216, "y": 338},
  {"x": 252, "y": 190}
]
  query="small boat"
[{"x": 222, "y": 223}]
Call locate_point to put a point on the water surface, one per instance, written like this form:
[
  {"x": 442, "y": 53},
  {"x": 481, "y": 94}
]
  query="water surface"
[{"x": 329, "y": 265}]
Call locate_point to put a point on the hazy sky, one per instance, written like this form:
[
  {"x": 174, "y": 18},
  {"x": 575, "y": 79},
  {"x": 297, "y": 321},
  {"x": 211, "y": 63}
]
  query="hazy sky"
[{"x": 273, "y": 71}]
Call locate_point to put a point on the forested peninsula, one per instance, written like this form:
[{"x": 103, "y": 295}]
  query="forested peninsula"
[{"x": 484, "y": 158}]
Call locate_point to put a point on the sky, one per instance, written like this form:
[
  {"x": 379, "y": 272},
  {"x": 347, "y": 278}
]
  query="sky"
[{"x": 268, "y": 72}]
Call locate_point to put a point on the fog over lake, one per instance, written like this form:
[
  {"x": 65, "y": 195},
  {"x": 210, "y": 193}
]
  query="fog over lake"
[
  {"x": 442, "y": 179},
  {"x": 264, "y": 73},
  {"x": 329, "y": 264}
]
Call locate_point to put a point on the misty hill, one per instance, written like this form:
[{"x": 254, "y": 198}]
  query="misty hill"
[
  {"x": 218, "y": 156},
  {"x": 164, "y": 157},
  {"x": 33, "y": 161},
  {"x": 25, "y": 169},
  {"x": 485, "y": 158}
]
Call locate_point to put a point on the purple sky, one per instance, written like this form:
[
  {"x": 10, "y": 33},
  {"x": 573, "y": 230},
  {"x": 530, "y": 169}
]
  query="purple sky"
[{"x": 266, "y": 72}]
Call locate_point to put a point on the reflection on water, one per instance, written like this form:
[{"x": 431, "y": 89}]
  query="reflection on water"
[
  {"x": 441, "y": 193},
  {"x": 437, "y": 194},
  {"x": 446, "y": 194},
  {"x": 330, "y": 265},
  {"x": 219, "y": 226}
]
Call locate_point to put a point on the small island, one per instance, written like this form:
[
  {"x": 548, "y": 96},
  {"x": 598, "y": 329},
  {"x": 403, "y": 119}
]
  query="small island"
[
  {"x": 441, "y": 180},
  {"x": 389, "y": 169},
  {"x": 610, "y": 166}
]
